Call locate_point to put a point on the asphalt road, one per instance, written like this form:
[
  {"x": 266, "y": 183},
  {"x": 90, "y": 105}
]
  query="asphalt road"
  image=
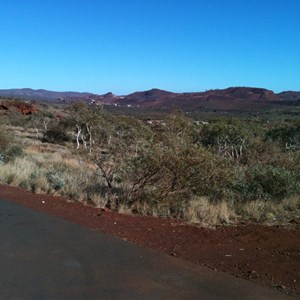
[{"x": 43, "y": 257}]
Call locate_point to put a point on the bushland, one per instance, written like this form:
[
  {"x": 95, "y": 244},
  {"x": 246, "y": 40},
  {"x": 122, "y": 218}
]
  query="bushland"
[{"x": 220, "y": 171}]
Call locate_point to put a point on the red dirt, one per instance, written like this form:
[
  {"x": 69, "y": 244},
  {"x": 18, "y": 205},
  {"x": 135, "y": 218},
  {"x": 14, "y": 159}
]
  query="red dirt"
[
  {"x": 19, "y": 106},
  {"x": 266, "y": 255}
]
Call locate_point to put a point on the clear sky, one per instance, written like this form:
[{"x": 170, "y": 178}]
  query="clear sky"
[{"x": 128, "y": 45}]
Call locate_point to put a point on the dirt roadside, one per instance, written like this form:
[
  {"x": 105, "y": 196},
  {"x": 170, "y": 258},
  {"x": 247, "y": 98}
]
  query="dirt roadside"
[{"x": 263, "y": 254}]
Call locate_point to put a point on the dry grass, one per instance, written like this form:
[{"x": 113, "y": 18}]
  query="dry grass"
[
  {"x": 17, "y": 172},
  {"x": 100, "y": 201},
  {"x": 292, "y": 203},
  {"x": 60, "y": 173},
  {"x": 270, "y": 211},
  {"x": 21, "y": 132},
  {"x": 53, "y": 169},
  {"x": 200, "y": 210},
  {"x": 41, "y": 185},
  {"x": 38, "y": 147},
  {"x": 144, "y": 209},
  {"x": 48, "y": 168},
  {"x": 124, "y": 209}
]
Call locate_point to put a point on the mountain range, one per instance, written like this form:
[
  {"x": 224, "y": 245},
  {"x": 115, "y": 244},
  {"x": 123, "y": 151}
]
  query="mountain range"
[{"x": 233, "y": 98}]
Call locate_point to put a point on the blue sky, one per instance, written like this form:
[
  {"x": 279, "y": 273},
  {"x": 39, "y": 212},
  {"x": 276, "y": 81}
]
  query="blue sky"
[{"x": 128, "y": 45}]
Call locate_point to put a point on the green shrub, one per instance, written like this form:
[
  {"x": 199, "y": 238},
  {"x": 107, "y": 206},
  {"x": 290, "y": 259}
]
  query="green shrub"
[
  {"x": 9, "y": 150},
  {"x": 2, "y": 159},
  {"x": 287, "y": 136},
  {"x": 56, "y": 180},
  {"x": 267, "y": 182},
  {"x": 4, "y": 140},
  {"x": 12, "y": 152},
  {"x": 56, "y": 135},
  {"x": 168, "y": 177}
]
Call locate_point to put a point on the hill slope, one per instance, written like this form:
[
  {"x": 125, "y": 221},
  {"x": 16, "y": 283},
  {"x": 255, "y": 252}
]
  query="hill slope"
[{"x": 233, "y": 98}]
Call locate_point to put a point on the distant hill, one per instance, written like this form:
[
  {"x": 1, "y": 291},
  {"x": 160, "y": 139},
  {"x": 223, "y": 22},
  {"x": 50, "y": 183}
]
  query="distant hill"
[
  {"x": 232, "y": 98},
  {"x": 151, "y": 95},
  {"x": 153, "y": 98},
  {"x": 289, "y": 96},
  {"x": 41, "y": 94},
  {"x": 51, "y": 96},
  {"x": 246, "y": 93},
  {"x": 226, "y": 99}
]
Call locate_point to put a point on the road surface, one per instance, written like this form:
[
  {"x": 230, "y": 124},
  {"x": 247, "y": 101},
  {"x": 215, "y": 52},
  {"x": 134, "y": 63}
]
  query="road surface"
[{"x": 43, "y": 257}]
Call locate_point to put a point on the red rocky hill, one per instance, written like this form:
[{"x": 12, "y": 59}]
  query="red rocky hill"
[{"x": 25, "y": 108}]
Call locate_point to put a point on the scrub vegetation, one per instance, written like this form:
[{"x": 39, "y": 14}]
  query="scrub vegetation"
[{"x": 221, "y": 171}]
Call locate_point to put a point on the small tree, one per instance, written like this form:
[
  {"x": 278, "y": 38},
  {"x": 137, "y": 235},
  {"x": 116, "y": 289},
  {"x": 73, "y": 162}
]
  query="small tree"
[
  {"x": 287, "y": 136},
  {"x": 56, "y": 135},
  {"x": 227, "y": 139}
]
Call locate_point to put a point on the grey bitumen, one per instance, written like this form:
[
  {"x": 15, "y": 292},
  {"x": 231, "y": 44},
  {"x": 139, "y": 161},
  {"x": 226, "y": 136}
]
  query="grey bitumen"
[{"x": 44, "y": 257}]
